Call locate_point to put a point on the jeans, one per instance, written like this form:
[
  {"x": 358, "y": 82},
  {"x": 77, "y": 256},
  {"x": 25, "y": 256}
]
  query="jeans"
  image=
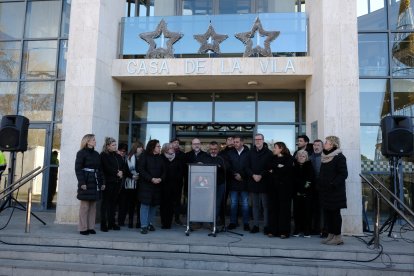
[
  {"x": 147, "y": 214},
  {"x": 244, "y": 200}
]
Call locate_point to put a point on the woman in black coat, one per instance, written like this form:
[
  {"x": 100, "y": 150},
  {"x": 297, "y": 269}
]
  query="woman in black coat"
[
  {"x": 88, "y": 173},
  {"x": 332, "y": 188},
  {"x": 280, "y": 191},
  {"x": 171, "y": 188},
  {"x": 152, "y": 173}
]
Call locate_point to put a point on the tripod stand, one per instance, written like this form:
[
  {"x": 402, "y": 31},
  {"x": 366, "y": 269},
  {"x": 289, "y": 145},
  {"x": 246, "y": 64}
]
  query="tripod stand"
[{"x": 8, "y": 202}]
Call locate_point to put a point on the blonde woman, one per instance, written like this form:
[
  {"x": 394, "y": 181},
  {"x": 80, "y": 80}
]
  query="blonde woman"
[{"x": 88, "y": 173}]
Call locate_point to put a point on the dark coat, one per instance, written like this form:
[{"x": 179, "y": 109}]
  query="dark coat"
[
  {"x": 332, "y": 183},
  {"x": 174, "y": 175},
  {"x": 221, "y": 163},
  {"x": 88, "y": 158},
  {"x": 282, "y": 174},
  {"x": 258, "y": 163},
  {"x": 190, "y": 157},
  {"x": 151, "y": 166},
  {"x": 237, "y": 164},
  {"x": 302, "y": 174},
  {"x": 112, "y": 162}
]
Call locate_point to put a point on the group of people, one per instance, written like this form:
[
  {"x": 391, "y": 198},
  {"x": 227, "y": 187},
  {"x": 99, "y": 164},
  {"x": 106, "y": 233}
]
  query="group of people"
[{"x": 310, "y": 184}]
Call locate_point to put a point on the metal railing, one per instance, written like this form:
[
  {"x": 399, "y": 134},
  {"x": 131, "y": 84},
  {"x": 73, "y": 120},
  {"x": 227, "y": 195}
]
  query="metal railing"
[
  {"x": 10, "y": 189},
  {"x": 397, "y": 209}
]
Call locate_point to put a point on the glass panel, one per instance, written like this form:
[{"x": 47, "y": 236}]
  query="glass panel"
[
  {"x": 371, "y": 157},
  {"x": 146, "y": 132},
  {"x": 192, "y": 108},
  {"x": 123, "y": 133},
  {"x": 126, "y": 100},
  {"x": 60, "y": 93},
  {"x": 57, "y": 136},
  {"x": 264, "y": 6},
  {"x": 52, "y": 182},
  {"x": 39, "y": 59},
  {"x": 279, "y": 107},
  {"x": 10, "y": 60},
  {"x": 401, "y": 15},
  {"x": 402, "y": 45},
  {"x": 403, "y": 97},
  {"x": 234, "y": 108},
  {"x": 11, "y": 20},
  {"x": 373, "y": 54},
  {"x": 374, "y": 100},
  {"x": 42, "y": 19},
  {"x": 235, "y": 6},
  {"x": 195, "y": 7},
  {"x": 8, "y": 98},
  {"x": 36, "y": 100},
  {"x": 152, "y": 107},
  {"x": 371, "y": 15},
  {"x": 64, "y": 31},
  {"x": 33, "y": 157},
  {"x": 274, "y": 133},
  {"x": 63, "y": 50}
]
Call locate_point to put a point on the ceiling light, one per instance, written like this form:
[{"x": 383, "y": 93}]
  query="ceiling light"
[
  {"x": 252, "y": 83},
  {"x": 172, "y": 83}
]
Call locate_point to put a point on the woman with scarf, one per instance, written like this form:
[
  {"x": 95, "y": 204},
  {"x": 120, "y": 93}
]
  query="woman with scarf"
[
  {"x": 171, "y": 188},
  {"x": 332, "y": 177}
]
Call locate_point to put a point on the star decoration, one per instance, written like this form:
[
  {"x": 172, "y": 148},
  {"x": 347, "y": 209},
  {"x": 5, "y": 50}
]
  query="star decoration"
[
  {"x": 153, "y": 50},
  {"x": 206, "y": 46},
  {"x": 246, "y": 38}
]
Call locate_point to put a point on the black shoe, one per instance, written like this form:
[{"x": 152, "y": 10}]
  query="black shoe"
[
  {"x": 104, "y": 228},
  {"x": 231, "y": 226},
  {"x": 151, "y": 227},
  {"x": 246, "y": 227},
  {"x": 116, "y": 227},
  {"x": 91, "y": 231},
  {"x": 178, "y": 221},
  {"x": 144, "y": 230},
  {"x": 86, "y": 232},
  {"x": 255, "y": 229}
]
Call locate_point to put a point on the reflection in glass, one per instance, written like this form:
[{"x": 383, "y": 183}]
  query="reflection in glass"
[
  {"x": 374, "y": 100},
  {"x": 125, "y": 107},
  {"x": 401, "y": 14},
  {"x": 235, "y": 7},
  {"x": 36, "y": 100},
  {"x": 57, "y": 134},
  {"x": 152, "y": 107},
  {"x": 11, "y": 20},
  {"x": 192, "y": 108},
  {"x": 277, "y": 133},
  {"x": 371, "y": 140},
  {"x": 39, "y": 59},
  {"x": 64, "y": 31},
  {"x": 123, "y": 133},
  {"x": 8, "y": 98},
  {"x": 373, "y": 54},
  {"x": 146, "y": 132},
  {"x": 234, "y": 108},
  {"x": 403, "y": 97},
  {"x": 371, "y": 15},
  {"x": 265, "y": 6},
  {"x": 42, "y": 19},
  {"x": 195, "y": 7},
  {"x": 59, "y": 101},
  {"x": 63, "y": 50},
  {"x": 10, "y": 60},
  {"x": 280, "y": 107}
]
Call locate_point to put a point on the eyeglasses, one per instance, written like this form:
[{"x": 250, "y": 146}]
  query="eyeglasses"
[{"x": 259, "y": 139}]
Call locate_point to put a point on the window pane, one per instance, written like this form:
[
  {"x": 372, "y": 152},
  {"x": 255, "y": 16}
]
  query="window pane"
[
  {"x": 273, "y": 134},
  {"x": 279, "y": 107},
  {"x": 123, "y": 133},
  {"x": 8, "y": 98},
  {"x": 39, "y": 59},
  {"x": 11, "y": 20},
  {"x": 371, "y": 139},
  {"x": 64, "y": 32},
  {"x": 152, "y": 107},
  {"x": 402, "y": 45},
  {"x": 371, "y": 15},
  {"x": 373, "y": 54},
  {"x": 403, "y": 97},
  {"x": 234, "y": 108},
  {"x": 268, "y": 6},
  {"x": 57, "y": 135},
  {"x": 36, "y": 100},
  {"x": 125, "y": 107},
  {"x": 195, "y": 7},
  {"x": 146, "y": 132},
  {"x": 192, "y": 108},
  {"x": 235, "y": 6},
  {"x": 42, "y": 19},
  {"x": 401, "y": 15},
  {"x": 63, "y": 50},
  {"x": 374, "y": 100},
  {"x": 9, "y": 60},
  {"x": 59, "y": 100}
]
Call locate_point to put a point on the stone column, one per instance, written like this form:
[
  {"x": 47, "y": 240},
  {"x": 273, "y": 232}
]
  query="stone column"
[
  {"x": 92, "y": 97},
  {"x": 332, "y": 93}
]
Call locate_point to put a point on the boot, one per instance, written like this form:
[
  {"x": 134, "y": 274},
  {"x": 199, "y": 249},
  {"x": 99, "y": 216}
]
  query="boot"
[
  {"x": 330, "y": 237},
  {"x": 336, "y": 240}
]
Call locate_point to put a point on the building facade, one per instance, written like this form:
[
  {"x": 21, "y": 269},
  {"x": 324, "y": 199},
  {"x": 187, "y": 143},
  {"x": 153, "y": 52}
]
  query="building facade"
[{"x": 138, "y": 70}]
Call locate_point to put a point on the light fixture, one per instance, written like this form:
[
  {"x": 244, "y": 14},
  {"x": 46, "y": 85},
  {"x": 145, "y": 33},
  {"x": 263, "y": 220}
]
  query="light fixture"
[
  {"x": 251, "y": 83},
  {"x": 172, "y": 84}
]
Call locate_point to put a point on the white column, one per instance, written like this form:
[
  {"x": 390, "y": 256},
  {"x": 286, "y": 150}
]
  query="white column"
[
  {"x": 92, "y": 97},
  {"x": 332, "y": 93}
]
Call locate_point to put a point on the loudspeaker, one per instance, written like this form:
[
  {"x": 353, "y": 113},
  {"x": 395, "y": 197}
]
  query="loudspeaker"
[
  {"x": 397, "y": 136},
  {"x": 13, "y": 133}
]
